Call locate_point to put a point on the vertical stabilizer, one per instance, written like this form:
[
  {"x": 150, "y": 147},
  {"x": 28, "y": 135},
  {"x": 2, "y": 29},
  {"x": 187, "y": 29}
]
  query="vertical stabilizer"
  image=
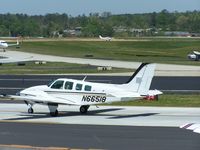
[{"x": 140, "y": 81}]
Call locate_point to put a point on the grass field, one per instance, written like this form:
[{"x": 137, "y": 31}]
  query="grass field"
[
  {"x": 166, "y": 100},
  {"x": 163, "y": 50}
]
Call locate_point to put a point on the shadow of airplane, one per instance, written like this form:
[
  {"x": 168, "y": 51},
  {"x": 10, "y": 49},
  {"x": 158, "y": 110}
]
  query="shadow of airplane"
[{"x": 26, "y": 116}]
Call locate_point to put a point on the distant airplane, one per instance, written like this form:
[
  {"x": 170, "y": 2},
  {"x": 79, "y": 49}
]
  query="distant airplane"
[
  {"x": 105, "y": 38},
  {"x": 194, "y": 56},
  {"x": 195, "y": 127},
  {"x": 4, "y": 45},
  {"x": 65, "y": 91}
]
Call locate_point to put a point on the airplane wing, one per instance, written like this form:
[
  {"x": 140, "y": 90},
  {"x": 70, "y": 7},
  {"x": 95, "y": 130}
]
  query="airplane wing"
[
  {"x": 196, "y": 52},
  {"x": 42, "y": 98},
  {"x": 195, "y": 127},
  {"x": 13, "y": 44}
]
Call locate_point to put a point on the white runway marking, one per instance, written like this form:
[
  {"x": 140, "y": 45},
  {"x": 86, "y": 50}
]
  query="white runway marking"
[{"x": 104, "y": 115}]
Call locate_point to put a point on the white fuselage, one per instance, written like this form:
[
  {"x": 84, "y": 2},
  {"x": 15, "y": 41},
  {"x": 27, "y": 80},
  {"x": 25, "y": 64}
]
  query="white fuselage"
[
  {"x": 3, "y": 44},
  {"x": 105, "y": 38},
  {"x": 79, "y": 92}
]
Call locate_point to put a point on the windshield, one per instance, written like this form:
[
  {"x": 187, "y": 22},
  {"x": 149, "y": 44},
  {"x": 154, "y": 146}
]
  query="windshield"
[
  {"x": 57, "y": 85},
  {"x": 49, "y": 84}
]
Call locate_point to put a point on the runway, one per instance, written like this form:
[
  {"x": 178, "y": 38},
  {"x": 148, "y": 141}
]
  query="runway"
[
  {"x": 106, "y": 127},
  {"x": 11, "y": 84}
]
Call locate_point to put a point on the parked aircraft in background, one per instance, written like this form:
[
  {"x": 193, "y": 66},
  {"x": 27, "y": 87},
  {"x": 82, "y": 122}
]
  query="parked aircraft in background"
[
  {"x": 82, "y": 93},
  {"x": 4, "y": 45},
  {"x": 195, "y": 127},
  {"x": 194, "y": 56},
  {"x": 105, "y": 38}
]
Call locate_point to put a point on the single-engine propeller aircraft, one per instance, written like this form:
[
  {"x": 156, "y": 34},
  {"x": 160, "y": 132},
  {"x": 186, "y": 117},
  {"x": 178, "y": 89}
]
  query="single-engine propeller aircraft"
[
  {"x": 4, "y": 45},
  {"x": 82, "y": 93},
  {"x": 105, "y": 38}
]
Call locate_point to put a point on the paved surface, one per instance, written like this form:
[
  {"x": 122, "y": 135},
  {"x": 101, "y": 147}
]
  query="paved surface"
[
  {"x": 11, "y": 84},
  {"x": 161, "y": 69},
  {"x": 104, "y": 115},
  {"x": 145, "y": 128},
  {"x": 99, "y": 137}
]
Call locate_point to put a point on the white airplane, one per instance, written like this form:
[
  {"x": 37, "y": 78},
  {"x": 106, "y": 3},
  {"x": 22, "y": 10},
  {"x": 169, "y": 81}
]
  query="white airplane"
[
  {"x": 194, "y": 56},
  {"x": 105, "y": 38},
  {"x": 82, "y": 93},
  {"x": 195, "y": 127},
  {"x": 4, "y": 45}
]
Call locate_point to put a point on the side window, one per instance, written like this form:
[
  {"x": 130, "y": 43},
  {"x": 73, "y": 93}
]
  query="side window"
[
  {"x": 57, "y": 85},
  {"x": 88, "y": 88},
  {"x": 79, "y": 87},
  {"x": 69, "y": 85}
]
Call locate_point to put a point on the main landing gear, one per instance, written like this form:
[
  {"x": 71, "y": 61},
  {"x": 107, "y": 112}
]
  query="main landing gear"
[
  {"x": 53, "y": 109},
  {"x": 84, "y": 109},
  {"x": 54, "y": 114}
]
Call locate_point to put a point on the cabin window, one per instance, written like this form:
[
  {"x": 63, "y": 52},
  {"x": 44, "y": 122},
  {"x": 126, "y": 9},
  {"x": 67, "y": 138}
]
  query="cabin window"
[
  {"x": 79, "y": 87},
  {"x": 88, "y": 88},
  {"x": 58, "y": 85},
  {"x": 69, "y": 85}
]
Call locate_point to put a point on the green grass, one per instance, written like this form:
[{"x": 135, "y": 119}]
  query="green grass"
[
  {"x": 53, "y": 68},
  {"x": 167, "y": 100},
  {"x": 172, "y": 51}
]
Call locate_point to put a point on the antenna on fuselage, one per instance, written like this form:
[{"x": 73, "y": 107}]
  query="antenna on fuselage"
[{"x": 84, "y": 78}]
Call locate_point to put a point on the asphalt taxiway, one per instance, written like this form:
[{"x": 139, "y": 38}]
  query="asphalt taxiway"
[
  {"x": 11, "y": 84},
  {"x": 98, "y": 137},
  {"x": 107, "y": 127}
]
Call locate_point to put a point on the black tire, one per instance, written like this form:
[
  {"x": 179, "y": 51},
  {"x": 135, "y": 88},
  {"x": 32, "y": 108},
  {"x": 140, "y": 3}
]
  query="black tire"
[
  {"x": 84, "y": 109},
  {"x": 54, "y": 114},
  {"x": 30, "y": 111}
]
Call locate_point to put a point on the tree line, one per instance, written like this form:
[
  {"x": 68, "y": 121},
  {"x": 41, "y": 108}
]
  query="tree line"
[{"x": 95, "y": 24}]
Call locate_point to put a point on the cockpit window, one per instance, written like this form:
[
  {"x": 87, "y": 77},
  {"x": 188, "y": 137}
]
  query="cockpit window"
[
  {"x": 79, "y": 87},
  {"x": 69, "y": 85},
  {"x": 50, "y": 83},
  {"x": 58, "y": 85},
  {"x": 88, "y": 88}
]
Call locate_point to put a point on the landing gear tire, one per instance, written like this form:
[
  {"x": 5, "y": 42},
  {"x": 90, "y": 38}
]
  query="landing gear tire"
[
  {"x": 30, "y": 111},
  {"x": 84, "y": 109},
  {"x": 54, "y": 114}
]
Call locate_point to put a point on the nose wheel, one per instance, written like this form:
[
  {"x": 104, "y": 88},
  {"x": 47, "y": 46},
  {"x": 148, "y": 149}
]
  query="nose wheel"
[{"x": 30, "y": 110}]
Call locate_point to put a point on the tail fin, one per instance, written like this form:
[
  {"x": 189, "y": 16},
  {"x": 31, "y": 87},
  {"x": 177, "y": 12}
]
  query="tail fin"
[{"x": 141, "y": 80}]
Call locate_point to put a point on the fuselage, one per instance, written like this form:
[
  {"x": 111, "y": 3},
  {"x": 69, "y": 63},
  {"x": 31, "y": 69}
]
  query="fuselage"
[
  {"x": 3, "y": 44},
  {"x": 78, "y": 91}
]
